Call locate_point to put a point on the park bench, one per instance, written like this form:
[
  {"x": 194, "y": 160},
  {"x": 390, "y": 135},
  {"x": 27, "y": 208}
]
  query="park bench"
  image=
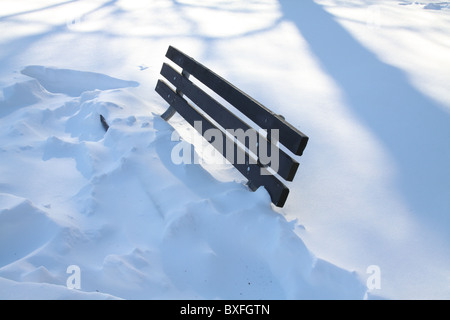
[{"x": 248, "y": 134}]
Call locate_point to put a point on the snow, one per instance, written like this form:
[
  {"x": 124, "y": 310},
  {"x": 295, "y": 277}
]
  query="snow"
[{"x": 368, "y": 212}]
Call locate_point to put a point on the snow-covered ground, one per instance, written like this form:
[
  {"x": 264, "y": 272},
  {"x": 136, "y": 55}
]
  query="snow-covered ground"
[{"x": 368, "y": 215}]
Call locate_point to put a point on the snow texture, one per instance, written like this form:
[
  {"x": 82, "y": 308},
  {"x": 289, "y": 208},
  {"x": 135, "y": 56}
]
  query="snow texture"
[{"x": 368, "y": 213}]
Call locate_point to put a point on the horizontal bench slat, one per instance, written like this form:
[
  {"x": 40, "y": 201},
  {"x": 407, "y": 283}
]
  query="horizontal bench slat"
[
  {"x": 277, "y": 190},
  {"x": 286, "y": 166},
  {"x": 290, "y": 137}
]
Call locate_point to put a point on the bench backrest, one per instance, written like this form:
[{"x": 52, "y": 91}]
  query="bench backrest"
[{"x": 249, "y": 147}]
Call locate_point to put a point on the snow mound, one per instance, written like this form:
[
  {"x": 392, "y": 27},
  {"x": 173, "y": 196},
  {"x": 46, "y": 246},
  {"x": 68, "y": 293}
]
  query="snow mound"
[
  {"x": 73, "y": 82},
  {"x": 137, "y": 225},
  {"x": 22, "y": 94},
  {"x": 23, "y": 228}
]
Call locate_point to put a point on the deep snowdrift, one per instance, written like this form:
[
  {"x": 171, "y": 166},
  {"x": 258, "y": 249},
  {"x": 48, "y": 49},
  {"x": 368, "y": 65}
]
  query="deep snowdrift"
[
  {"x": 368, "y": 212},
  {"x": 137, "y": 225}
]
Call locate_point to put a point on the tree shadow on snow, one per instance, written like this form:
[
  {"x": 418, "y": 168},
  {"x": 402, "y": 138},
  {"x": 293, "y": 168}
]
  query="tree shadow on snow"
[
  {"x": 414, "y": 129},
  {"x": 18, "y": 14},
  {"x": 13, "y": 48}
]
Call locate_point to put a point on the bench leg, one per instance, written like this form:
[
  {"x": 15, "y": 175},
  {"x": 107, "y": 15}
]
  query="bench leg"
[
  {"x": 251, "y": 186},
  {"x": 168, "y": 113}
]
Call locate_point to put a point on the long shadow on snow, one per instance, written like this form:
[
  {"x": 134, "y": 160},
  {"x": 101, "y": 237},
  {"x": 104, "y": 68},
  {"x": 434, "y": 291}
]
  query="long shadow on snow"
[
  {"x": 18, "y": 14},
  {"x": 16, "y": 46},
  {"x": 413, "y": 128}
]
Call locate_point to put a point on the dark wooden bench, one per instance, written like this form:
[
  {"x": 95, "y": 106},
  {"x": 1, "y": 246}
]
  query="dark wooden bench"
[{"x": 251, "y": 117}]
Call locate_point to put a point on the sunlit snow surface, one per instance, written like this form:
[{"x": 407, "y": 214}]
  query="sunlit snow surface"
[{"x": 367, "y": 81}]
